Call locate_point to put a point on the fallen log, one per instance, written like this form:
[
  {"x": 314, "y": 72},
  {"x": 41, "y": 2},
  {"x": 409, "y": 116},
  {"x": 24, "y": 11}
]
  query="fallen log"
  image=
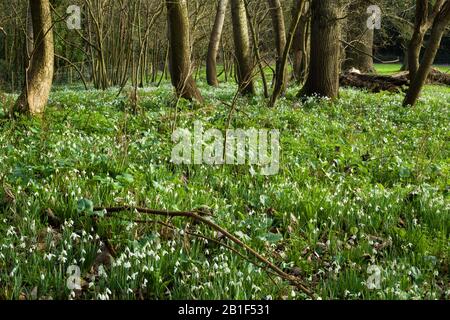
[
  {"x": 374, "y": 83},
  {"x": 398, "y": 82},
  {"x": 435, "y": 77}
]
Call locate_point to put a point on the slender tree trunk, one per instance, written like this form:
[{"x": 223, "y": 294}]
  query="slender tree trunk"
[
  {"x": 214, "y": 44},
  {"x": 441, "y": 21},
  {"x": 30, "y": 37},
  {"x": 300, "y": 45},
  {"x": 281, "y": 75},
  {"x": 39, "y": 75},
  {"x": 242, "y": 47},
  {"x": 180, "y": 53},
  {"x": 323, "y": 77},
  {"x": 280, "y": 37},
  {"x": 423, "y": 22},
  {"x": 252, "y": 26},
  {"x": 420, "y": 28}
]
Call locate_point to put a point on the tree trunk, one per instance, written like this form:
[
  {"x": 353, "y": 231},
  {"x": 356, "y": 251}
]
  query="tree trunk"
[
  {"x": 29, "y": 35},
  {"x": 214, "y": 44},
  {"x": 300, "y": 45},
  {"x": 420, "y": 28},
  {"x": 39, "y": 74},
  {"x": 281, "y": 75},
  {"x": 252, "y": 22},
  {"x": 405, "y": 63},
  {"x": 323, "y": 77},
  {"x": 441, "y": 21},
  {"x": 180, "y": 54},
  {"x": 423, "y": 22},
  {"x": 359, "y": 55},
  {"x": 280, "y": 36},
  {"x": 242, "y": 48}
]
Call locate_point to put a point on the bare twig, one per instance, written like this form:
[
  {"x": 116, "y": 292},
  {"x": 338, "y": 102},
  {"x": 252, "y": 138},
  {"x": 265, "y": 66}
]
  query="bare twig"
[{"x": 197, "y": 216}]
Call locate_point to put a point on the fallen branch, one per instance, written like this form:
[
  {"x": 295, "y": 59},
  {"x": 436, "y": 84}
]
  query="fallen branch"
[
  {"x": 200, "y": 236},
  {"x": 198, "y": 217}
]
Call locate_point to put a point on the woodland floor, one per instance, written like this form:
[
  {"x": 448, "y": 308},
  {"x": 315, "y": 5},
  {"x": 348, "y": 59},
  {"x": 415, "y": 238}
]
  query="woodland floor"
[{"x": 363, "y": 182}]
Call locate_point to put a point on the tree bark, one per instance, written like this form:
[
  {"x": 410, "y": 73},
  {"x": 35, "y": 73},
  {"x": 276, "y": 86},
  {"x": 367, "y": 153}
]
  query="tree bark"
[
  {"x": 180, "y": 53},
  {"x": 280, "y": 36},
  {"x": 300, "y": 45},
  {"x": 214, "y": 44},
  {"x": 242, "y": 48},
  {"x": 29, "y": 35},
  {"x": 359, "y": 55},
  {"x": 39, "y": 74},
  {"x": 423, "y": 22},
  {"x": 281, "y": 76},
  {"x": 323, "y": 76},
  {"x": 441, "y": 21},
  {"x": 420, "y": 28}
]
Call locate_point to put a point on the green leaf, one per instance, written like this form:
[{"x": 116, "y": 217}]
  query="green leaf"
[
  {"x": 272, "y": 237},
  {"x": 125, "y": 178},
  {"x": 404, "y": 172},
  {"x": 85, "y": 206}
]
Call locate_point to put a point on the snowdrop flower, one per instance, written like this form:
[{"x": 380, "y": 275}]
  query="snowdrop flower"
[
  {"x": 49, "y": 256},
  {"x": 11, "y": 231},
  {"x": 74, "y": 236},
  {"x": 13, "y": 272}
]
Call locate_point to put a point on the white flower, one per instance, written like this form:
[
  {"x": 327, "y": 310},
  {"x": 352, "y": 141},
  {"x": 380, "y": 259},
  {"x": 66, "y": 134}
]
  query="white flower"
[
  {"x": 74, "y": 236},
  {"x": 102, "y": 272},
  {"x": 49, "y": 256},
  {"x": 11, "y": 231}
]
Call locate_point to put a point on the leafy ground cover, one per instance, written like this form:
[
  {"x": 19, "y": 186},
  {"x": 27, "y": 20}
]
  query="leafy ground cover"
[{"x": 361, "y": 196}]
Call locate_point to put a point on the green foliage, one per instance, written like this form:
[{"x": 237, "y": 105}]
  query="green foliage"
[{"x": 362, "y": 182}]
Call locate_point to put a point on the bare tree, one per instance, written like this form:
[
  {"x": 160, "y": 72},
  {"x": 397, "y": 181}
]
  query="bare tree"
[
  {"x": 281, "y": 75},
  {"x": 300, "y": 45},
  {"x": 180, "y": 64},
  {"x": 323, "y": 77},
  {"x": 441, "y": 21},
  {"x": 39, "y": 73},
  {"x": 359, "y": 51},
  {"x": 423, "y": 22},
  {"x": 242, "y": 47},
  {"x": 214, "y": 43},
  {"x": 280, "y": 37}
]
